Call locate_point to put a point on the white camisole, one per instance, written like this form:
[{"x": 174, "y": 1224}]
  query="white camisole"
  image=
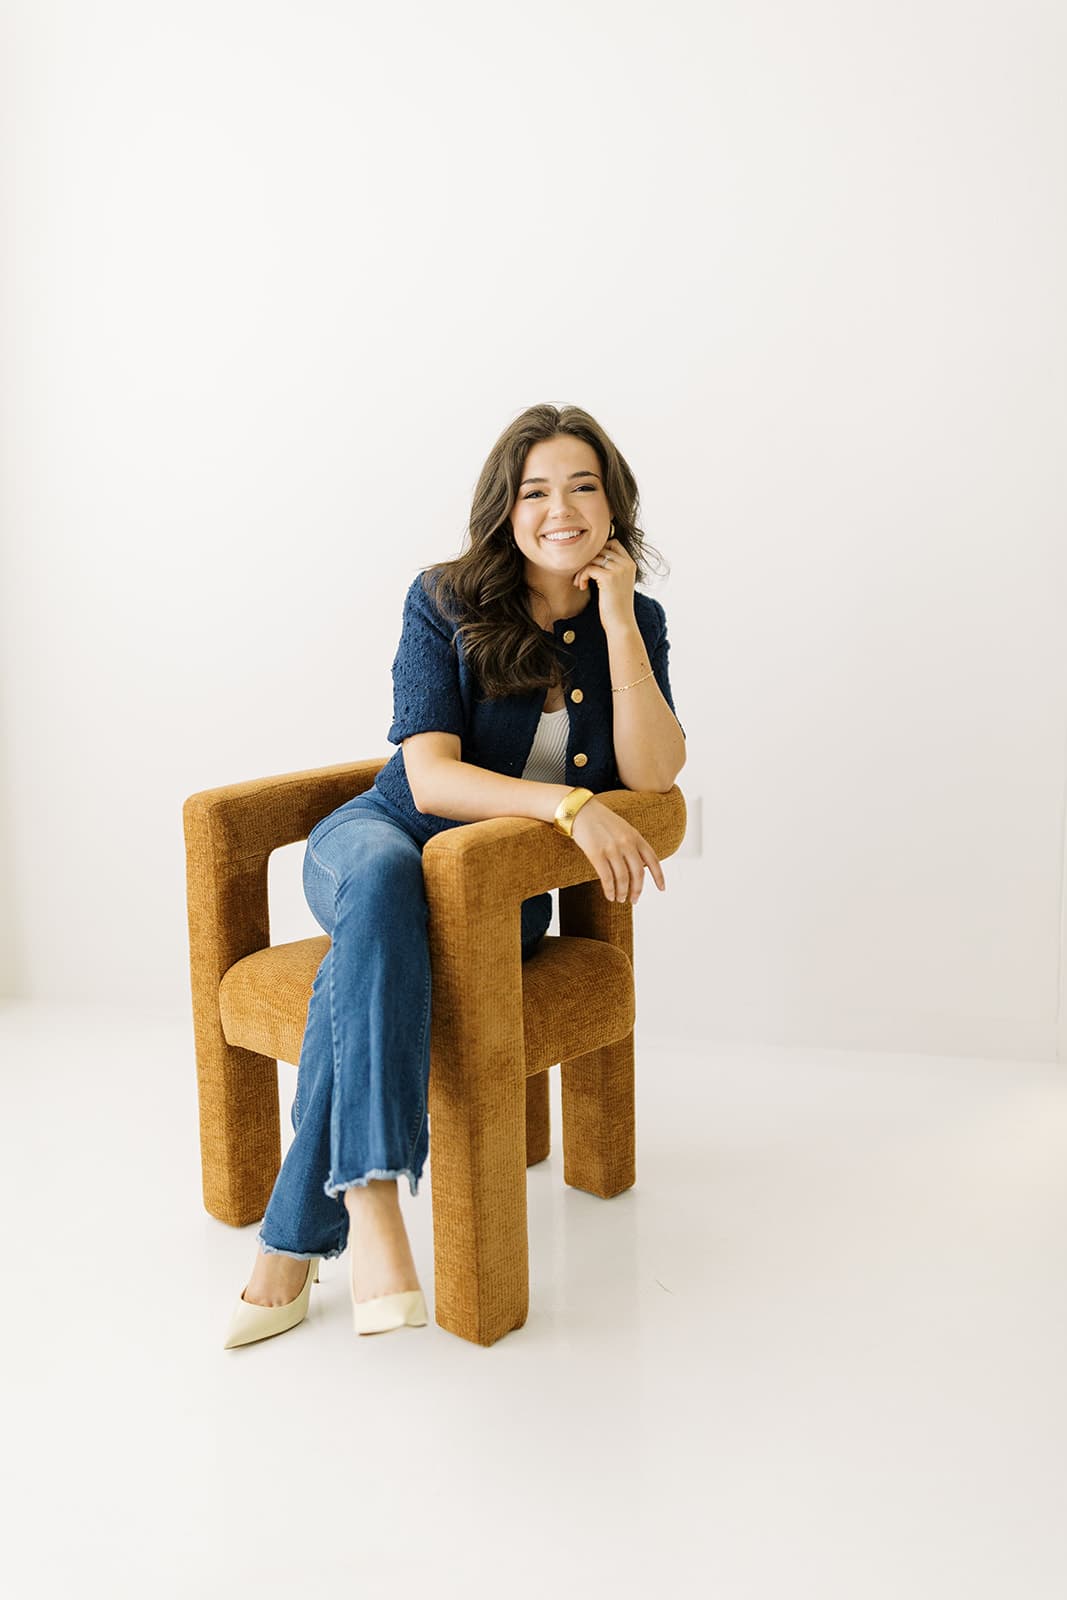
[{"x": 547, "y": 761}]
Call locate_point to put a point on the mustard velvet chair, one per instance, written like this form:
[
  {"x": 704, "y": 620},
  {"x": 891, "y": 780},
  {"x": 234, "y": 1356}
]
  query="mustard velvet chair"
[{"x": 497, "y": 1023}]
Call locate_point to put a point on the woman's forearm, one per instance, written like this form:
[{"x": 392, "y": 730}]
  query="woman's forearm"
[
  {"x": 465, "y": 793},
  {"x": 649, "y": 743}
]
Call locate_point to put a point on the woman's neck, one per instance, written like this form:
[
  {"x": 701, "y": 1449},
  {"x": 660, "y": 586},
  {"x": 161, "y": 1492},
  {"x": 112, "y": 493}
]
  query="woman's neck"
[{"x": 557, "y": 602}]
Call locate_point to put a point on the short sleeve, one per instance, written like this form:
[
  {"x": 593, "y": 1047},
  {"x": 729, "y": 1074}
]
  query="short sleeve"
[
  {"x": 658, "y": 659},
  {"x": 426, "y": 693}
]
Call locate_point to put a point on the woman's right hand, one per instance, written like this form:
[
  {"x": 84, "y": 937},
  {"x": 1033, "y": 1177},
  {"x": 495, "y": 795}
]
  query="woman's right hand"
[{"x": 618, "y": 852}]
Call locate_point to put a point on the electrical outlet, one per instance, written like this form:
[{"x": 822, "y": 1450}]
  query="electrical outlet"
[{"x": 691, "y": 845}]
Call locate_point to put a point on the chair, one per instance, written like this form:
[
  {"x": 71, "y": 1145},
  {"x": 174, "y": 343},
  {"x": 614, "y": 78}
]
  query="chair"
[{"x": 497, "y": 1023}]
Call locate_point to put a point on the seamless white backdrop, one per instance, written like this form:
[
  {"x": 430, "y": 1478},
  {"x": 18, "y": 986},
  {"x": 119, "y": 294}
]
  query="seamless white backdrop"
[{"x": 276, "y": 276}]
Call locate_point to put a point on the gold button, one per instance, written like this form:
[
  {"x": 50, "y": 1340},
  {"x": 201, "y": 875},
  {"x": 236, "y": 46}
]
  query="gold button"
[
  {"x": 580, "y": 759},
  {"x": 576, "y": 694},
  {"x": 568, "y": 637}
]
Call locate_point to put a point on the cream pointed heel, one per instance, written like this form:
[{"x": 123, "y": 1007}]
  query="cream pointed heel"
[
  {"x": 388, "y": 1311},
  {"x": 251, "y": 1322}
]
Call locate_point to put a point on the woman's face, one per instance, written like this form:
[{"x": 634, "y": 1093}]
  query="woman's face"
[{"x": 568, "y": 493}]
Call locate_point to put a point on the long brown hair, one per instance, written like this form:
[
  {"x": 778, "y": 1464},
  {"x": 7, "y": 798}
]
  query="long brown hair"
[{"x": 483, "y": 590}]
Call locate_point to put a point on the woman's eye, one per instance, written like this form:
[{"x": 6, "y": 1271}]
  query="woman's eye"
[{"x": 591, "y": 487}]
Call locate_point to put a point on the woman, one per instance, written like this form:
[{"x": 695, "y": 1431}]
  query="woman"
[{"x": 530, "y": 674}]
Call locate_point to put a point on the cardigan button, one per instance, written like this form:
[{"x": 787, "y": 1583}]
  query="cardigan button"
[
  {"x": 568, "y": 637},
  {"x": 580, "y": 759},
  {"x": 576, "y": 694}
]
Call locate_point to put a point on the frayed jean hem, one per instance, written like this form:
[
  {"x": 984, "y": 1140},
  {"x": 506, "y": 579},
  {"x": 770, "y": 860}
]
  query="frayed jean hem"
[
  {"x": 300, "y": 1255},
  {"x": 333, "y": 1189}
]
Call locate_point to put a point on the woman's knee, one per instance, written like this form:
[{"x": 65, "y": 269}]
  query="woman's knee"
[{"x": 375, "y": 862}]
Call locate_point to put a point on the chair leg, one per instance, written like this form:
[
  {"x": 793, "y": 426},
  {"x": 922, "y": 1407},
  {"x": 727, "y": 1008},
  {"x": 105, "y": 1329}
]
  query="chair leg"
[
  {"x": 599, "y": 1132},
  {"x": 240, "y": 1131},
  {"x": 538, "y": 1124},
  {"x": 478, "y": 1189}
]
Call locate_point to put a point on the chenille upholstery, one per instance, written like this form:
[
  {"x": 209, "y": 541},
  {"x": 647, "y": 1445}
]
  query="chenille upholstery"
[{"x": 497, "y": 1023}]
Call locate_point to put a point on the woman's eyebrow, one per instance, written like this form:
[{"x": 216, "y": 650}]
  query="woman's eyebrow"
[{"x": 525, "y": 481}]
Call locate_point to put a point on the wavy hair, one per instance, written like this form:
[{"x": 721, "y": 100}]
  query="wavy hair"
[{"x": 484, "y": 591}]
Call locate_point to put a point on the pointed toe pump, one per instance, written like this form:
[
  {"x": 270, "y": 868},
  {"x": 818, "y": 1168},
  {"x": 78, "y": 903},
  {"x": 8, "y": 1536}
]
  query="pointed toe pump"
[
  {"x": 251, "y": 1322},
  {"x": 388, "y": 1311}
]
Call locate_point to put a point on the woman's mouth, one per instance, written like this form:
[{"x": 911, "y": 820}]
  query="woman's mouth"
[{"x": 569, "y": 537}]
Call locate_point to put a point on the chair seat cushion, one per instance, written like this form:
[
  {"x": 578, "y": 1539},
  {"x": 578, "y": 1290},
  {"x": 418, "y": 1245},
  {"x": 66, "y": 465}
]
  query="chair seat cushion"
[
  {"x": 264, "y": 998},
  {"x": 578, "y": 994}
]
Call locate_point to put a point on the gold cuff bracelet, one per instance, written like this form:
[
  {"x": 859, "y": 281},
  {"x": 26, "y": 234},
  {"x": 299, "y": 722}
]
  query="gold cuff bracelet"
[{"x": 569, "y": 808}]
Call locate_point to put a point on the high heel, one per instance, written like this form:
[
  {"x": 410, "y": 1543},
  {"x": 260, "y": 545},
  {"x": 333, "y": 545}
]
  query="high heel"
[
  {"x": 251, "y": 1322},
  {"x": 387, "y": 1311}
]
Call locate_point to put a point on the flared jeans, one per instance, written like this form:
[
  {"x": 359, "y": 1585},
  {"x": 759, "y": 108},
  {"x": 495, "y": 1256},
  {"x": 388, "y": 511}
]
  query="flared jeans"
[{"x": 360, "y": 1107}]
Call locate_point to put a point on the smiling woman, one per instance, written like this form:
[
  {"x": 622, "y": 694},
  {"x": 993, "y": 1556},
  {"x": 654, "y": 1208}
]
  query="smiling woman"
[
  {"x": 561, "y": 526},
  {"x": 551, "y": 471},
  {"x": 530, "y": 675},
  {"x": 538, "y": 614}
]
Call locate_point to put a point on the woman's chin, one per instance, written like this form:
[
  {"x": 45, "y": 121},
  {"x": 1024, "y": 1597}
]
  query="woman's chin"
[{"x": 557, "y": 565}]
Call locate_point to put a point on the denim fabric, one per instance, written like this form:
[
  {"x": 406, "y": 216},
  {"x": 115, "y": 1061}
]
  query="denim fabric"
[{"x": 359, "y": 1110}]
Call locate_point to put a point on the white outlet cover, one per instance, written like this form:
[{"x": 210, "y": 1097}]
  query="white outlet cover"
[{"x": 691, "y": 844}]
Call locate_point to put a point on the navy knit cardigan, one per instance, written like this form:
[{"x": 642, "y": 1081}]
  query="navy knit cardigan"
[{"x": 434, "y": 689}]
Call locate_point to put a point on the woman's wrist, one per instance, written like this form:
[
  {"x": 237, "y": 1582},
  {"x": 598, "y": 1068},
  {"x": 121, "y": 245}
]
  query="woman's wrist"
[
  {"x": 569, "y": 808},
  {"x": 554, "y": 793}
]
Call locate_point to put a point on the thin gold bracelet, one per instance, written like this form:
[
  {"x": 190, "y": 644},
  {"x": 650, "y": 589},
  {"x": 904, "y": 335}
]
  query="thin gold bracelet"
[{"x": 623, "y": 686}]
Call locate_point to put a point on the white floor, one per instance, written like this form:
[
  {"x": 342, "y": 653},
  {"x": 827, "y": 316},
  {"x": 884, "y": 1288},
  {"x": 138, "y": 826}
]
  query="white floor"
[{"x": 819, "y": 1350}]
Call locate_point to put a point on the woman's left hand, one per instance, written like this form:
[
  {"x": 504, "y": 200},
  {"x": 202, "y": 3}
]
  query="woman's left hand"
[{"x": 615, "y": 582}]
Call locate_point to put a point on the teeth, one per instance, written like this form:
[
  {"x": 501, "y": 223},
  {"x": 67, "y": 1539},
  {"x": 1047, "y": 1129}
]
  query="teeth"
[{"x": 558, "y": 538}]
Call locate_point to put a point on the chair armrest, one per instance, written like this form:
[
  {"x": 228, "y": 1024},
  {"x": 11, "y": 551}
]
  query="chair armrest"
[
  {"x": 513, "y": 858},
  {"x": 229, "y": 835},
  {"x": 476, "y": 877},
  {"x": 262, "y": 814}
]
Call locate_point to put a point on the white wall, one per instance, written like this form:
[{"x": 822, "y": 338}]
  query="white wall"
[{"x": 277, "y": 275}]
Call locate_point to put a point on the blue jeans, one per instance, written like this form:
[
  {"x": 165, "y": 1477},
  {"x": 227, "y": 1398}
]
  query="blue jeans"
[{"x": 359, "y": 1111}]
